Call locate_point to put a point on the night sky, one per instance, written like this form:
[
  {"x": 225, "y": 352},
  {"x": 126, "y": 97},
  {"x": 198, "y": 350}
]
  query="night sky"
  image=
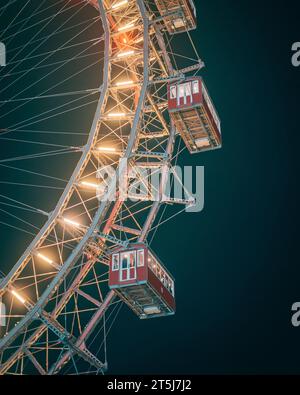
[{"x": 236, "y": 263}]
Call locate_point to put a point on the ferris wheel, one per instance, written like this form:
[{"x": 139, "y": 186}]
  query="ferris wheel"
[{"x": 88, "y": 251}]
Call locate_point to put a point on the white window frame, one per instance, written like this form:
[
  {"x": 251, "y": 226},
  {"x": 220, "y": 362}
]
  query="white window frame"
[
  {"x": 181, "y": 91},
  {"x": 172, "y": 290},
  {"x": 128, "y": 278},
  {"x": 193, "y": 8},
  {"x": 138, "y": 254},
  {"x": 115, "y": 268},
  {"x": 196, "y": 88},
  {"x": 188, "y": 89},
  {"x": 173, "y": 89}
]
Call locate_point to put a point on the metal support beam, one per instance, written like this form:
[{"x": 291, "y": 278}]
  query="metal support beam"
[
  {"x": 125, "y": 229},
  {"x": 36, "y": 364},
  {"x": 153, "y": 155},
  {"x": 113, "y": 239},
  {"x": 88, "y": 297},
  {"x": 67, "y": 339},
  {"x": 42, "y": 235},
  {"x": 86, "y": 333}
]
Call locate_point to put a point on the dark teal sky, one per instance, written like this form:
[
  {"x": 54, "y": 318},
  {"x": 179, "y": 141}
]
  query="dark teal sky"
[{"x": 236, "y": 263}]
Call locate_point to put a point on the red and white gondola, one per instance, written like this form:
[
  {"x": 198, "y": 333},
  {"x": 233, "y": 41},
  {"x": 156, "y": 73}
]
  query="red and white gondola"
[
  {"x": 194, "y": 115},
  {"x": 141, "y": 281}
]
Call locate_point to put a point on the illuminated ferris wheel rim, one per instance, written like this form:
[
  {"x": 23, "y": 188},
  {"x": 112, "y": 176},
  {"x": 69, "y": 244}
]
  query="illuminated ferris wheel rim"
[
  {"x": 57, "y": 212},
  {"x": 7, "y": 284}
]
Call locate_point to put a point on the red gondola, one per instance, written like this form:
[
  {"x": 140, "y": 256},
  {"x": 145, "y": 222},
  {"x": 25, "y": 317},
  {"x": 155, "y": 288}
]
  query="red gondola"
[
  {"x": 141, "y": 280},
  {"x": 194, "y": 115}
]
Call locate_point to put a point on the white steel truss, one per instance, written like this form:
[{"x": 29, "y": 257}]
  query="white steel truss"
[{"x": 59, "y": 285}]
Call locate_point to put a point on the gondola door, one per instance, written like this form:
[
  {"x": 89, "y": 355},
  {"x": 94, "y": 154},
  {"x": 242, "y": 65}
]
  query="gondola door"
[
  {"x": 128, "y": 266},
  {"x": 184, "y": 94}
]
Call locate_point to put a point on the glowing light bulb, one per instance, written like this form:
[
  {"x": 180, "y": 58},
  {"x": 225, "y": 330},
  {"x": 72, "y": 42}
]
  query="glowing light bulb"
[
  {"x": 106, "y": 149},
  {"x": 19, "y": 297},
  {"x": 116, "y": 114},
  {"x": 44, "y": 258},
  {"x": 125, "y": 27},
  {"x": 119, "y": 4},
  {"x": 139, "y": 40},
  {"x": 73, "y": 223},
  {"x": 89, "y": 184},
  {"x": 124, "y": 83},
  {"x": 126, "y": 53}
]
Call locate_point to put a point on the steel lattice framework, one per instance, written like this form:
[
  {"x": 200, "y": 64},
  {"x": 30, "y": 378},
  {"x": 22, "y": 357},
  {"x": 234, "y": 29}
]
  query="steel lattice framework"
[{"x": 61, "y": 307}]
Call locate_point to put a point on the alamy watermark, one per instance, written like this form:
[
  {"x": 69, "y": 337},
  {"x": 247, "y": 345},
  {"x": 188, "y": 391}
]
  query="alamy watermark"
[
  {"x": 2, "y": 54},
  {"x": 296, "y": 314},
  {"x": 296, "y": 54},
  {"x": 154, "y": 182}
]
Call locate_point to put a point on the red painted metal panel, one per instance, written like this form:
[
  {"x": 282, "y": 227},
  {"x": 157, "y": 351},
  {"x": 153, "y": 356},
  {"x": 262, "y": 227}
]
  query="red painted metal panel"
[
  {"x": 161, "y": 290},
  {"x": 126, "y": 275},
  {"x": 131, "y": 276},
  {"x": 177, "y": 103},
  {"x": 211, "y": 118}
]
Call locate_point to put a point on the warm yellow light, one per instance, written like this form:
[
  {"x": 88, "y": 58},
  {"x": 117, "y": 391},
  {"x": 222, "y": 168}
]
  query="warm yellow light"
[
  {"x": 106, "y": 149},
  {"x": 116, "y": 114},
  {"x": 119, "y": 4},
  {"x": 70, "y": 222},
  {"x": 125, "y": 27},
  {"x": 124, "y": 54},
  {"x": 139, "y": 40},
  {"x": 124, "y": 83},
  {"x": 89, "y": 184},
  {"x": 19, "y": 297},
  {"x": 44, "y": 258}
]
